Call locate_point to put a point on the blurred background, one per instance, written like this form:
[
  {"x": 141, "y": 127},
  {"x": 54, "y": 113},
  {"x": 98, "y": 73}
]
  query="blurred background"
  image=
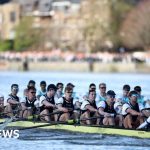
[{"x": 75, "y": 35}]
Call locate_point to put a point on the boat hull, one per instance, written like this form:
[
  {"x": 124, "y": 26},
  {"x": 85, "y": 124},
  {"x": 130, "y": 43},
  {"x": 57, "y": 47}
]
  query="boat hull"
[{"x": 80, "y": 128}]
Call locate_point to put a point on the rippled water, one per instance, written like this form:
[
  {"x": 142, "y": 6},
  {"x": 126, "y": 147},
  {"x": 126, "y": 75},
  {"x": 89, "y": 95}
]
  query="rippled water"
[
  {"x": 47, "y": 140},
  {"x": 40, "y": 139}
]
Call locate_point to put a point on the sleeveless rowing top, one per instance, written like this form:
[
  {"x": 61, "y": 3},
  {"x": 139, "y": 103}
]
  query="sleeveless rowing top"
[
  {"x": 50, "y": 100},
  {"x": 93, "y": 104},
  {"x": 16, "y": 98},
  {"x": 136, "y": 107},
  {"x": 29, "y": 103},
  {"x": 109, "y": 109},
  {"x": 67, "y": 104}
]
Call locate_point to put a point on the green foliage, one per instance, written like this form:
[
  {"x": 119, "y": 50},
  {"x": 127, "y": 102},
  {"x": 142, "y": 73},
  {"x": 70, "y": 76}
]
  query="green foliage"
[
  {"x": 136, "y": 27},
  {"x": 119, "y": 11},
  {"x": 103, "y": 22},
  {"x": 26, "y": 35},
  {"x": 5, "y": 45}
]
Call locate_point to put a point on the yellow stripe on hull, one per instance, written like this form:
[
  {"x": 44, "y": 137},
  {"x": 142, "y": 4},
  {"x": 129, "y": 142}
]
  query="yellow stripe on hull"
[{"x": 83, "y": 129}]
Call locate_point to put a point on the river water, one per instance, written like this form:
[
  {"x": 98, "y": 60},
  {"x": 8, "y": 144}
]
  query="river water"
[{"x": 51, "y": 140}]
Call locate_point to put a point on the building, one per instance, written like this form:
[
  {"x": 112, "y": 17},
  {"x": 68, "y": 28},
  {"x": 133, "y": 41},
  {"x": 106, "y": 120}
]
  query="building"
[
  {"x": 62, "y": 20},
  {"x": 9, "y": 18}
]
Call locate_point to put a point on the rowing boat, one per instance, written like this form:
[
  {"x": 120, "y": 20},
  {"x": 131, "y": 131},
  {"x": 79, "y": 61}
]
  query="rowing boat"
[{"x": 80, "y": 128}]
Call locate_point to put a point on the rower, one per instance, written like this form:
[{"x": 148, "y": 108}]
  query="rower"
[
  {"x": 92, "y": 87},
  {"x": 145, "y": 124},
  {"x": 131, "y": 112},
  {"x": 42, "y": 90},
  {"x": 12, "y": 103},
  {"x": 124, "y": 97},
  {"x": 59, "y": 92},
  {"x": 47, "y": 104},
  {"x": 101, "y": 96},
  {"x": 29, "y": 103},
  {"x": 74, "y": 94},
  {"x": 106, "y": 108},
  {"x": 89, "y": 109},
  {"x": 31, "y": 83},
  {"x": 1, "y": 103},
  {"x": 66, "y": 105},
  {"x": 142, "y": 100}
]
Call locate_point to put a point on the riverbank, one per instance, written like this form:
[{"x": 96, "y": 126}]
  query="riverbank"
[{"x": 76, "y": 67}]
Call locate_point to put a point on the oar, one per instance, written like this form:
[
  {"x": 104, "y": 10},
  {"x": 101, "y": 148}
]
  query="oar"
[
  {"x": 68, "y": 122},
  {"x": 35, "y": 116},
  {"x": 6, "y": 122},
  {"x": 50, "y": 124}
]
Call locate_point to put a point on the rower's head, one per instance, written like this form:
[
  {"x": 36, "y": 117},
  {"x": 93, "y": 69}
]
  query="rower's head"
[
  {"x": 43, "y": 85},
  {"x": 14, "y": 88},
  {"x": 102, "y": 87},
  {"x": 126, "y": 89},
  {"x": 68, "y": 92},
  {"x": 31, "y": 93},
  {"x": 138, "y": 89},
  {"x": 70, "y": 85},
  {"x": 51, "y": 90},
  {"x": 60, "y": 86},
  {"x": 111, "y": 96},
  {"x": 92, "y": 86},
  {"x": 92, "y": 95},
  {"x": 31, "y": 83},
  {"x": 133, "y": 96}
]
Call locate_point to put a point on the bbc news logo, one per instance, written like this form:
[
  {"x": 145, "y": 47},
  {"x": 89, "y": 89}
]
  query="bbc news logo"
[{"x": 9, "y": 133}]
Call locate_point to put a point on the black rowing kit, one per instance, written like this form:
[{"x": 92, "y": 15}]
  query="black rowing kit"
[{"x": 50, "y": 100}]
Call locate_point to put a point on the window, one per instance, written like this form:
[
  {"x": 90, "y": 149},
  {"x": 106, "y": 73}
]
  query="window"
[{"x": 12, "y": 16}]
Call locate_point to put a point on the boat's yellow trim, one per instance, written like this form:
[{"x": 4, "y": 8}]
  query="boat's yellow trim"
[{"x": 84, "y": 129}]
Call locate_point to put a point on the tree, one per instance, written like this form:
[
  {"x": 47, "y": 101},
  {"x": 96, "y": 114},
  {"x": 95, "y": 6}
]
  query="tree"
[
  {"x": 102, "y": 22},
  {"x": 119, "y": 11},
  {"x": 26, "y": 35},
  {"x": 136, "y": 28}
]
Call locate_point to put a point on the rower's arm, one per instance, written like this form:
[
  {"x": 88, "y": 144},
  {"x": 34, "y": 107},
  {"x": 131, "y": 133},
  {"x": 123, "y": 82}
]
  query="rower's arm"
[
  {"x": 47, "y": 104},
  {"x": 23, "y": 106},
  {"x": 101, "y": 111},
  {"x": 133, "y": 112},
  {"x": 12, "y": 101},
  {"x": 63, "y": 109},
  {"x": 91, "y": 108}
]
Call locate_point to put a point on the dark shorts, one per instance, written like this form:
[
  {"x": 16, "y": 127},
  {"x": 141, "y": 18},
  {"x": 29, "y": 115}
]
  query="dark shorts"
[
  {"x": 43, "y": 108},
  {"x": 134, "y": 118},
  {"x": 14, "y": 107},
  {"x": 91, "y": 113},
  {"x": 59, "y": 115}
]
